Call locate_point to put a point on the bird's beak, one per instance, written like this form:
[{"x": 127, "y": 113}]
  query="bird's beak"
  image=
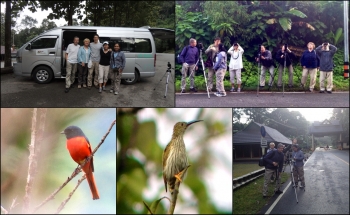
[
  {"x": 190, "y": 123},
  {"x": 62, "y": 132}
]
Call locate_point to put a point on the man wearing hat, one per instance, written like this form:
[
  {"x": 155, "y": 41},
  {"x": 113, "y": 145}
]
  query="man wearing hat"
[{"x": 298, "y": 165}]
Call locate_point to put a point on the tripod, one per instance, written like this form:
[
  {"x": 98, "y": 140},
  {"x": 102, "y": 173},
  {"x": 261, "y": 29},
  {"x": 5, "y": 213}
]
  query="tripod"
[
  {"x": 168, "y": 73},
  {"x": 205, "y": 78},
  {"x": 291, "y": 171}
]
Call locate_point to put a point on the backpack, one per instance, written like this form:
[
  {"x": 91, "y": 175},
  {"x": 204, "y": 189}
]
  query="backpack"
[
  {"x": 178, "y": 56},
  {"x": 261, "y": 160}
]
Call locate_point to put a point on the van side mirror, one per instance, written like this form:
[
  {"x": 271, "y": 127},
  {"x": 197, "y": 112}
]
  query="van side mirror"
[{"x": 29, "y": 46}]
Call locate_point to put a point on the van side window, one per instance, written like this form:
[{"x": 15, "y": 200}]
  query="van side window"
[
  {"x": 44, "y": 43},
  {"x": 127, "y": 44}
]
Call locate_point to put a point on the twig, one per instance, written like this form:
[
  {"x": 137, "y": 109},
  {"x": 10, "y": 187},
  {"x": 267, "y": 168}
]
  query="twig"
[
  {"x": 11, "y": 207},
  {"x": 4, "y": 210},
  {"x": 76, "y": 171},
  {"x": 175, "y": 192},
  {"x": 70, "y": 194}
]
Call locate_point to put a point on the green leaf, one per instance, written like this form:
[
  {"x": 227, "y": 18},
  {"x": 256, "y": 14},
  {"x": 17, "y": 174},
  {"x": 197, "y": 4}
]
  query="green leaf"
[
  {"x": 337, "y": 36},
  {"x": 188, "y": 35},
  {"x": 258, "y": 31},
  {"x": 297, "y": 13},
  {"x": 285, "y": 23},
  {"x": 271, "y": 21}
]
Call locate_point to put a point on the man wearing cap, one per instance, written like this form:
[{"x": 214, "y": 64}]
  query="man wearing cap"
[
  {"x": 298, "y": 165},
  {"x": 274, "y": 162},
  {"x": 272, "y": 148},
  {"x": 104, "y": 67}
]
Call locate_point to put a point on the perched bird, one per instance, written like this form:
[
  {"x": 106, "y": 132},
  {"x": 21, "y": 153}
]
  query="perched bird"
[
  {"x": 79, "y": 149},
  {"x": 174, "y": 156}
]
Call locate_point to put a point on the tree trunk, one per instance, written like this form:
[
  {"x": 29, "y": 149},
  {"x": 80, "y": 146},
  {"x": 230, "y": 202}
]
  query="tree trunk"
[
  {"x": 70, "y": 17},
  {"x": 8, "y": 34},
  {"x": 114, "y": 12}
]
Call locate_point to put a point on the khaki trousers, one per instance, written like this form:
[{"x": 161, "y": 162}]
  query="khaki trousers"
[
  {"x": 268, "y": 174},
  {"x": 313, "y": 74},
  {"x": 95, "y": 66},
  {"x": 299, "y": 171},
  {"x": 115, "y": 80},
  {"x": 326, "y": 75},
  {"x": 262, "y": 75},
  {"x": 280, "y": 75},
  {"x": 187, "y": 68},
  {"x": 237, "y": 73},
  {"x": 211, "y": 73},
  {"x": 220, "y": 74},
  {"x": 103, "y": 73},
  {"x": 71, "y": 69}
]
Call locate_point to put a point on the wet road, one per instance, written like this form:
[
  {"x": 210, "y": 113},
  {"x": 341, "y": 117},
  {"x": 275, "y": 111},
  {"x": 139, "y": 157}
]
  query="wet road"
[{"x": 327, "y": 186}]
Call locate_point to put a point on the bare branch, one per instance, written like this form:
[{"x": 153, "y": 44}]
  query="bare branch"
[
  {"x": 13, "y": 205},
  {"x": 4, "y": 210},
  {"x": 76, "y": 171},
  {"x": 70, "y": 194}
]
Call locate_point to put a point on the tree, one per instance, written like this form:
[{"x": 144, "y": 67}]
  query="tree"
[
  {"x": 2, "y": 29},
  {"x": 29, "y": 22},
  {"x": 47, "y": 25},
  {"x": 342, "y": 114},
  {"x": 8, "y": 35},
  {"x": 65, "y": 9}
]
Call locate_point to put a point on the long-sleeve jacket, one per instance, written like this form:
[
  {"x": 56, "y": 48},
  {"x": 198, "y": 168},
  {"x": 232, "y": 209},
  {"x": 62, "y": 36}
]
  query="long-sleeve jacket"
[
  {"x": 274, "y": 156},
  {"x": 310, "y": 59},
  {"x": 221, "y": 61},
  {"x": 326, "y": 58},
  {"x": 212, "y": 51},
  {"x": 267, "y": 62},
  {"x": 236, "y": 61},
  {"x": 82, "y": 55},
  {"x": 280, "y": 60},
  {"x": 189, "y": 55},
  {"x": 119, "y": 61},
  {"x": 298, "y": 157}
]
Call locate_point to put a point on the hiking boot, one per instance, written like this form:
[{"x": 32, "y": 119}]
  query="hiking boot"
[
  {"x": 322, "y": 91},
  {"x": 193, "y": 89},
  {"x": 330, "y": 92},
  {"x": 278, "y": 192},
  {"x": 232, "y": 90},
  {"x": 66, "y": 90},
  {"x": 220, "y": 94},
  {"x": 183, "y": 91}
]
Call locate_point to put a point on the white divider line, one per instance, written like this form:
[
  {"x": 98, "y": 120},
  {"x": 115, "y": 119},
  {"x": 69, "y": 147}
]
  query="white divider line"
[{"x": 280, "y": 196}]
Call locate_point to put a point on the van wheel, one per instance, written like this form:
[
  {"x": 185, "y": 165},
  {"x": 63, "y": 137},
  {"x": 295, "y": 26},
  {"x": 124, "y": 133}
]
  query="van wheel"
[
  {"x": 42, "y": 75},
  {"x": 130, "y": 81}
]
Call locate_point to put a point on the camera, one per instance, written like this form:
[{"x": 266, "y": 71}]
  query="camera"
[
  {"x": 200, "y": 46},
  {"x": 325, "y": 44},
  {"x": 169, "y": 65}
]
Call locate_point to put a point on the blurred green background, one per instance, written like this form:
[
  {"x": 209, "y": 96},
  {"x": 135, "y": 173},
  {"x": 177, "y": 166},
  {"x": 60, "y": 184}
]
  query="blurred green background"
[
  {"x": 55, "y": 164},
  {"x": 142, "y": 136}
]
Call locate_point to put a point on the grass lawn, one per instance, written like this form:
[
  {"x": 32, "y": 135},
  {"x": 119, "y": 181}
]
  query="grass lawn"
[
  {"x": 241, "y": 169},
  {"x": 248, "y": 198}
]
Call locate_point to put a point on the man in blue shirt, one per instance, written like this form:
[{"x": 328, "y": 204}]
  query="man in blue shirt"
[
  {"x": 298, "y": 165},
  {"x": 189, "y": 57}
]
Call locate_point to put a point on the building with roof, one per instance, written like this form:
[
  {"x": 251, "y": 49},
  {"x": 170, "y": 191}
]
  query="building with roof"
[
  {"x": 247, "y": 142},
  {"x": 327, "y": 128}
]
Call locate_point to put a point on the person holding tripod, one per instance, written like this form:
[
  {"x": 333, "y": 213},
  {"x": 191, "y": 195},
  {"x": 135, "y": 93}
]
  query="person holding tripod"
[
  {"x": 298, "y": 168},
  {"x": 281, "y": 56},
  {"x": 211, "y": 52},
  {"x": 220, "y": 68},
  {"x": 274, "y": 162},
  {"x": 266, "y": 61},
  {"x": 189, "y": 58}
]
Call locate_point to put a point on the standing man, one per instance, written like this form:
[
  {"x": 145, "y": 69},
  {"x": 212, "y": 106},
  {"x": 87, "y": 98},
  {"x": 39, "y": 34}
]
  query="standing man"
[
  {"x": 211, "y": 51},
  {"x": 189, "y": 57},
  {"x": 72, "y": 61},
  {"x": 326, "y": 52},
  {"x": 96, "y": 47},
  {"x": 281, "y": 56},
  {"x": 272, "y": 148},
  {"x": 310, "y": 63},
  {"x": 235, "y": 66},
  {"x": 298, "y": 166},
  {"x": 266, "y": 64},
  {"x": 274, "y": 162}
]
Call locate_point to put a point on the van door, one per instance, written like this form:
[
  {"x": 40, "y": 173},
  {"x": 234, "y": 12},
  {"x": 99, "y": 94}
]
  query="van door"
[{"x": 42, "y": 51}]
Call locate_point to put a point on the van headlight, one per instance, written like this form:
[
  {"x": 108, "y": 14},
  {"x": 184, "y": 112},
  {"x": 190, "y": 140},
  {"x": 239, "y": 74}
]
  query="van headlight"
[{"x": 19, "y": 59}]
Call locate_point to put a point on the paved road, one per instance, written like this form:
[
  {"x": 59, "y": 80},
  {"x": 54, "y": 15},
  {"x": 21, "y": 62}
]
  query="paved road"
[
  {"x": 23, "y": 92},
  {"x": 327, "y": 186},
  {"x": 265, "y": 99}
]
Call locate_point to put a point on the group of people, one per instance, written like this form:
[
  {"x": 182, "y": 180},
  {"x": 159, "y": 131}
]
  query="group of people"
[
  {"x": 274, "y": 160},
  {"x": 312, "y": 60},
  {"x": 92, "y": 57}
]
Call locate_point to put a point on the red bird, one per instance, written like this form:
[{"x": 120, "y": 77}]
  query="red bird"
[{"x": 79, "y": 149}]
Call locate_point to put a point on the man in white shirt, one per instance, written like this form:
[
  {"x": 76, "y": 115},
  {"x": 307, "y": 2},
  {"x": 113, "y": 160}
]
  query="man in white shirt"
[
  {"x": 72, "y": 61},
  {"x": 96, "y": 46}
]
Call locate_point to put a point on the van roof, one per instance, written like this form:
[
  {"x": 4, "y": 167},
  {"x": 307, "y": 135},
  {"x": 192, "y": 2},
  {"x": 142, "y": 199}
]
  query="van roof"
[{"x": 101, "y": 27}]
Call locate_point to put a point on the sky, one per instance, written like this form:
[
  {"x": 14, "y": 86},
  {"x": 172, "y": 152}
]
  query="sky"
[
  {"x": 39, "y": 16},
  {"x": 218, "y": 180}
]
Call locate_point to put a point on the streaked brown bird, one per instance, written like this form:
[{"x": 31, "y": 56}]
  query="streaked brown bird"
[{"x": 174, "y": 156}]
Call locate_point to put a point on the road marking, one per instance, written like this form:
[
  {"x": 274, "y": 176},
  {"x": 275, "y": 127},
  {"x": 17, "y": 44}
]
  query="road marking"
[
  {"x": 342, "y": 160},
  {"x": 280, "y": 196}
]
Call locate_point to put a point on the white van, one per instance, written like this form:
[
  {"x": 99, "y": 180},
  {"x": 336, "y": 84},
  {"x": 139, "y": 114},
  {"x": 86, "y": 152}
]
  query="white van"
[{"x": 42, "y": 58}]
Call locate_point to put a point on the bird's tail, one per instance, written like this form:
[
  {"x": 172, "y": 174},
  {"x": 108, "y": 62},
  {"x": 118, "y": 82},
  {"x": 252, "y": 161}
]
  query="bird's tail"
[{"x": 91, "y": 180}]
